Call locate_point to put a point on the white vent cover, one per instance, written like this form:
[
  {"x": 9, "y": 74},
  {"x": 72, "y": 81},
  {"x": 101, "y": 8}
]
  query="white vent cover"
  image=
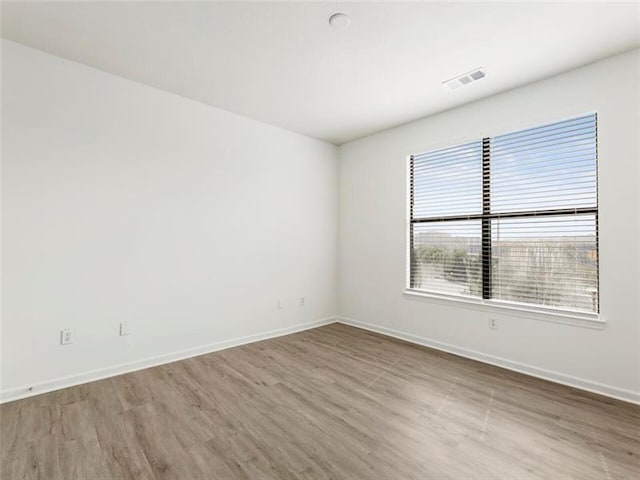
[{"x": 465, "y": 79}]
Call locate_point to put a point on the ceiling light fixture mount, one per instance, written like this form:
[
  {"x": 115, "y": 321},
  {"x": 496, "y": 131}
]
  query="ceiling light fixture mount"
[
  {"x": 465, "y": 79},
  {"x": 339, "y": 21}
]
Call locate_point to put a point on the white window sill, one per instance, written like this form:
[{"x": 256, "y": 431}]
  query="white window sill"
[{"x": 586, "y": 320}]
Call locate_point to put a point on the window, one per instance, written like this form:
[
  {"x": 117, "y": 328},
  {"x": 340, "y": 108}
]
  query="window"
[{"x": 511, "y": 218}]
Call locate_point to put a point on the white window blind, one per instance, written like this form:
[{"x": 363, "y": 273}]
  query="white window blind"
[{"x": 512, "y": 218}]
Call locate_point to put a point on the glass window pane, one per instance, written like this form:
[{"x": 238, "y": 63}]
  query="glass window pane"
[
  {"x": 446, "y": 257},
  {"x": 448, "y": 181},
  {"x": 545, "y": 168},
  {"x": 549, "y": 261}
]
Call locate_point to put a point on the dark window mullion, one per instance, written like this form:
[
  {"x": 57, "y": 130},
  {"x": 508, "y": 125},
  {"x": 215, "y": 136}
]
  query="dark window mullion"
[
  {"x": 597, "y": 213},
  {"x": 518, "y": 214},
  {"x": 486, "y": 221},
  {"x": 412, "y": 261}
]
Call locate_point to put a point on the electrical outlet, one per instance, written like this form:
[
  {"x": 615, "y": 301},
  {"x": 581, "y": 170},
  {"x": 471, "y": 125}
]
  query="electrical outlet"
[
  {"x": 493, "y": 323},
  {"x": 124, "y": 329},
  {"x": 66, "y": 336},
  {"x": 302, "y": 301},
  {"x": 280, "y": 305}
]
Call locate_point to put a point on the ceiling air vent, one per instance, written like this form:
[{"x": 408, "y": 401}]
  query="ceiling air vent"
[{"x": 465, "y": 79}]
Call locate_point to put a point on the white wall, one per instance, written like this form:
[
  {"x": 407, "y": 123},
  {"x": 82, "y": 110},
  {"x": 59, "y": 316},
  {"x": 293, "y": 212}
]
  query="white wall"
[
  {"x": 372, "y": 225},
  {"x": 125, "y": 203}
]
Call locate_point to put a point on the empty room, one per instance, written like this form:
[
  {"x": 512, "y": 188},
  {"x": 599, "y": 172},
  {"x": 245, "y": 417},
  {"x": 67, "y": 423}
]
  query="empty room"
[{"x": 320, "y": 240}]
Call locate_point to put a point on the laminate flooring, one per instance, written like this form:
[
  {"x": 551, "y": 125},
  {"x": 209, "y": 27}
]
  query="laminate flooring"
[{"x": 335, "y": 402}]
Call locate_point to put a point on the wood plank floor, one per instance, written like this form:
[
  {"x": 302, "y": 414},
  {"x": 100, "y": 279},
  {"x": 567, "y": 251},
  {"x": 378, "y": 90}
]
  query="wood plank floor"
[{"x": 331, "y": 403}]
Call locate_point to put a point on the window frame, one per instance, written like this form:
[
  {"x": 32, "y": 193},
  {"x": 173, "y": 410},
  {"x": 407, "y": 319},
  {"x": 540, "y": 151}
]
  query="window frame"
[{"x": 485, "y": 301}]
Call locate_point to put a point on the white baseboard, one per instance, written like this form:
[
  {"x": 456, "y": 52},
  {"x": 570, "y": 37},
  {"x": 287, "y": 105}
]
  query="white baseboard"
[
  {"x": 576, "y": 382},
  {"x": 69, "y": 381},
  {"x": 91, "y": 376}
]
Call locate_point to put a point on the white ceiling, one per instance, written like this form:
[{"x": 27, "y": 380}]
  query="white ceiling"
[{"x": 282, "y": 64}]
